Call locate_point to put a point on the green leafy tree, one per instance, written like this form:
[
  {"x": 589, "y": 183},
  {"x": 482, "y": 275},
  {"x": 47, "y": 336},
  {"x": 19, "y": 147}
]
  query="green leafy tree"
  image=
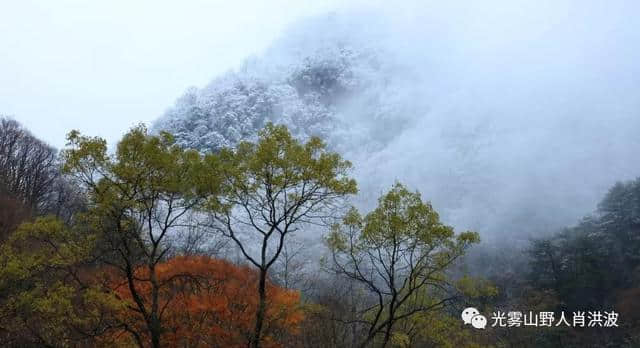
[
  {"x": 399, "y": 253},
  {"x": 271, "y": 189},
  {"x": 138, "y": 198},
  {"x": 47, "y": 297}
]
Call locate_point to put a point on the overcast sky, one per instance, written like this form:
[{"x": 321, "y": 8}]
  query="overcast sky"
[{"x": 102, "y": 66}]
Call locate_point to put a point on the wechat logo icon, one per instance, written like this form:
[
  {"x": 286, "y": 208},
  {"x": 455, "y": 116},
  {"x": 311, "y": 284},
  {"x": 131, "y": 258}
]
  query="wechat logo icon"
[{"x": 472, "y": 316}]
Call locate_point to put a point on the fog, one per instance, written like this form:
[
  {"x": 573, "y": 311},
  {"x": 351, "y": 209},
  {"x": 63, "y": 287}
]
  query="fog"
[
  {"x": 531, "y": 111},
  {"x": 102, "y": 67},
  {"x": 512, "y": 117}
]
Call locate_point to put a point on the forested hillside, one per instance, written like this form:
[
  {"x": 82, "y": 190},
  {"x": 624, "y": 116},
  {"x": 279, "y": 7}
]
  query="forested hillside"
[
  {"x": 450, "y": 174},
  {"x": 437, "y": 112},
  {"x": 124, "y": 249}
]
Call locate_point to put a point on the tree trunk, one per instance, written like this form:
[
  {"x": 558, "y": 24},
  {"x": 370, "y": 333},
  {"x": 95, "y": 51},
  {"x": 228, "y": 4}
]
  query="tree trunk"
[
  {"x": 155, "y": 328},
  {"x": 155, "y": 338},
  {"x": 262, "y": 304},
  {"x": 387, "y": 333}
]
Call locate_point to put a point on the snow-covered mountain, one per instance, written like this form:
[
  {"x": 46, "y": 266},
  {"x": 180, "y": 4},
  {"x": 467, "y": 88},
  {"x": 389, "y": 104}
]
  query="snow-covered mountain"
[
  {"x": 310, "y": 87},
  {"x": 508, "y": 128}
]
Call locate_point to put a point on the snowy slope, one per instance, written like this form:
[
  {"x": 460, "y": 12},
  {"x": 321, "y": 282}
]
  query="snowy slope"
[
  {"x": 509, "y": 128},
  {"x": 309, "y": 87}
]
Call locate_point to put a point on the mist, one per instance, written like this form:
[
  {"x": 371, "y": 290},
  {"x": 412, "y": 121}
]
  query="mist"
[
  {"x": 516, "y": 121},
  {"x": 512, "y": 118}
]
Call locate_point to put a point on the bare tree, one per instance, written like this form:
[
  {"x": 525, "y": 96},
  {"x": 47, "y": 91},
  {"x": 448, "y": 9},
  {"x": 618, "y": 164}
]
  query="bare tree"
[
  {"x": 28, "y": 166},
  {"x": 12, "y": 213},
  {"x": 292, "y": 268}
]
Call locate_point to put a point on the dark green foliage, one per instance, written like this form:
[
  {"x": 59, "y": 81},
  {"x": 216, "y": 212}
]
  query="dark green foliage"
[{"x": 595, "y": 264}]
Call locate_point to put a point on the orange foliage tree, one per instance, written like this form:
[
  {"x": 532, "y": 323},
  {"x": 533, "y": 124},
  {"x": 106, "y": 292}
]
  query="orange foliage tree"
[{"x": 206, "y": 302}]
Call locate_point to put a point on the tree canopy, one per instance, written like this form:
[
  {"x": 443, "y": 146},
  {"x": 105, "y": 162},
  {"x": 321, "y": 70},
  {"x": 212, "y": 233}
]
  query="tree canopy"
[{"x": 400, "y": 253}]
